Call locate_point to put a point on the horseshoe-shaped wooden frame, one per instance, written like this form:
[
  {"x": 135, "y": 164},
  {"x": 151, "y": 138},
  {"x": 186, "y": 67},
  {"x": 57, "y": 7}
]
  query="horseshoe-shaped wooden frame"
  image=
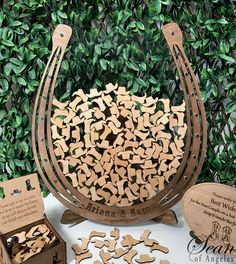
[{"x": 51, "y": 173}]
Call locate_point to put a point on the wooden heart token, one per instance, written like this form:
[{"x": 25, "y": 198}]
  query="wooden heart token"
[{"x": 210, "y": 211}]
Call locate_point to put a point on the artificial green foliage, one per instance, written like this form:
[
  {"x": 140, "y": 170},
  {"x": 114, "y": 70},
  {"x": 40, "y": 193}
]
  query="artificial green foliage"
[{"x": 117, "y": 41}]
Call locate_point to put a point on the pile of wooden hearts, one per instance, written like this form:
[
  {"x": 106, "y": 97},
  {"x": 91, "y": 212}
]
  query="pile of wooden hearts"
[
  {"x": 24, "y": 245},
  {"x": 112, "y": 252},
  {"x": 115, "y": 148}
]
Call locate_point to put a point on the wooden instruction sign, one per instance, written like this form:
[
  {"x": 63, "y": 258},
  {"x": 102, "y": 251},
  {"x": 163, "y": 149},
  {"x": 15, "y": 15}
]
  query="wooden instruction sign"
[
  {"x": 21, "y": 204},
  {"x": 210, "y": 211}
]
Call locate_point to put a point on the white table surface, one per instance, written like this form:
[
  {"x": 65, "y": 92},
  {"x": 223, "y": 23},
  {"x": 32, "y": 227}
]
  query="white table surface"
[{"x": 176, "y": 238}]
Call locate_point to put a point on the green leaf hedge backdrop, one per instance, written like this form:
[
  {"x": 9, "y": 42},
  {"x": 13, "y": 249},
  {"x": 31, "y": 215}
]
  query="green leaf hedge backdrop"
[{"x": 117, "y": 41}]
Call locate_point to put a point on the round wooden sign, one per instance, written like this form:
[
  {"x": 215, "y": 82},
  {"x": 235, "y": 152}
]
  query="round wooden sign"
[
  {"x": 114, "y": 156},
  {"x": 210, "y": 211}
]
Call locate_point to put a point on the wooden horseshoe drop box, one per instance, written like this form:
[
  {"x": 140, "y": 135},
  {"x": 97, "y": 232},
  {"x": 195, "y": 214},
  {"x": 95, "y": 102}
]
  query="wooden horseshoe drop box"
[
  {"x": 115, "y": 156},
  {"x": 22, "y": 219}
]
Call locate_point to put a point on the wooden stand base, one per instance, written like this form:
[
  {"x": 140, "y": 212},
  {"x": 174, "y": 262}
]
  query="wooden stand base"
[
  {"x": 69, "y": 217},
  {"x": 168, "y": 218}
]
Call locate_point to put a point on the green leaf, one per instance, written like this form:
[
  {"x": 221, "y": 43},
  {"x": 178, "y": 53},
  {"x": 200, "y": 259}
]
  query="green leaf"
[
  {"x": 231, "y": 107},
  {"x": 231, "y": 70},
  {"x": 155, "y": 88},
  {"x": 143, "y": 66},
  {"x": 229, "y": 85},
  {"x": 28, "y": 166},
  {"x": 204, "y": 96},
  {"x": 197, "y": 44},
  {"x": 126, "y": 53},
  {"x": 132, "y": 65},
  {"x": 103, "y": 64},
  {"x": 119, "y": 17},
  {"x": 15, "y": 23},
  {"x": 227, "y": 58},
  {"x": 233, "y": 120},
  {"x": 140, "y": 25},
  {"x": 98, "y": 50},
  {"x": 32, "y": 74},
  {"x": 166, "y": 2},
  {"x": 132, "y": 24},
  {"x": 19, "y": 163},
  {"x": 2, "y": 195},
  {"x": 25, "y": 26},
  {"x": 45, "y": 193},
  {"x": 141, "y": 82},
  {"x": 8, "y": 69},
  {"x": 65, "y": 65},
  {"x": 122, "y": 32},
  {"x": 16, "y": 61},
  {"x": 214, "y": 90},
  {"x": 24, "y": 146},
  {"x": 98, "y": 83},
  {"x": 18, "y": 120},
  {"x": 224, "y": 47},
  {"x": 95, "y": 60},
  {"x": 4, "y": 84},
  {"x": 158, "y": 3},
  {"x": 1, "y": 17},
  {"x": 222, "y": 21},
  {"x": 19, "y": 69},
  {"x": 127, "y": 14},
  {"x": 152, "y": 80},
  {"x": 135, "y": 88},
  {"x": 209, "y": 27},
  {"x": 62, "y": 14},
  {"x": 7, "y": 43},
  {"x": 54, "y": 16},
  {"x": 21, "y": 81}
]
